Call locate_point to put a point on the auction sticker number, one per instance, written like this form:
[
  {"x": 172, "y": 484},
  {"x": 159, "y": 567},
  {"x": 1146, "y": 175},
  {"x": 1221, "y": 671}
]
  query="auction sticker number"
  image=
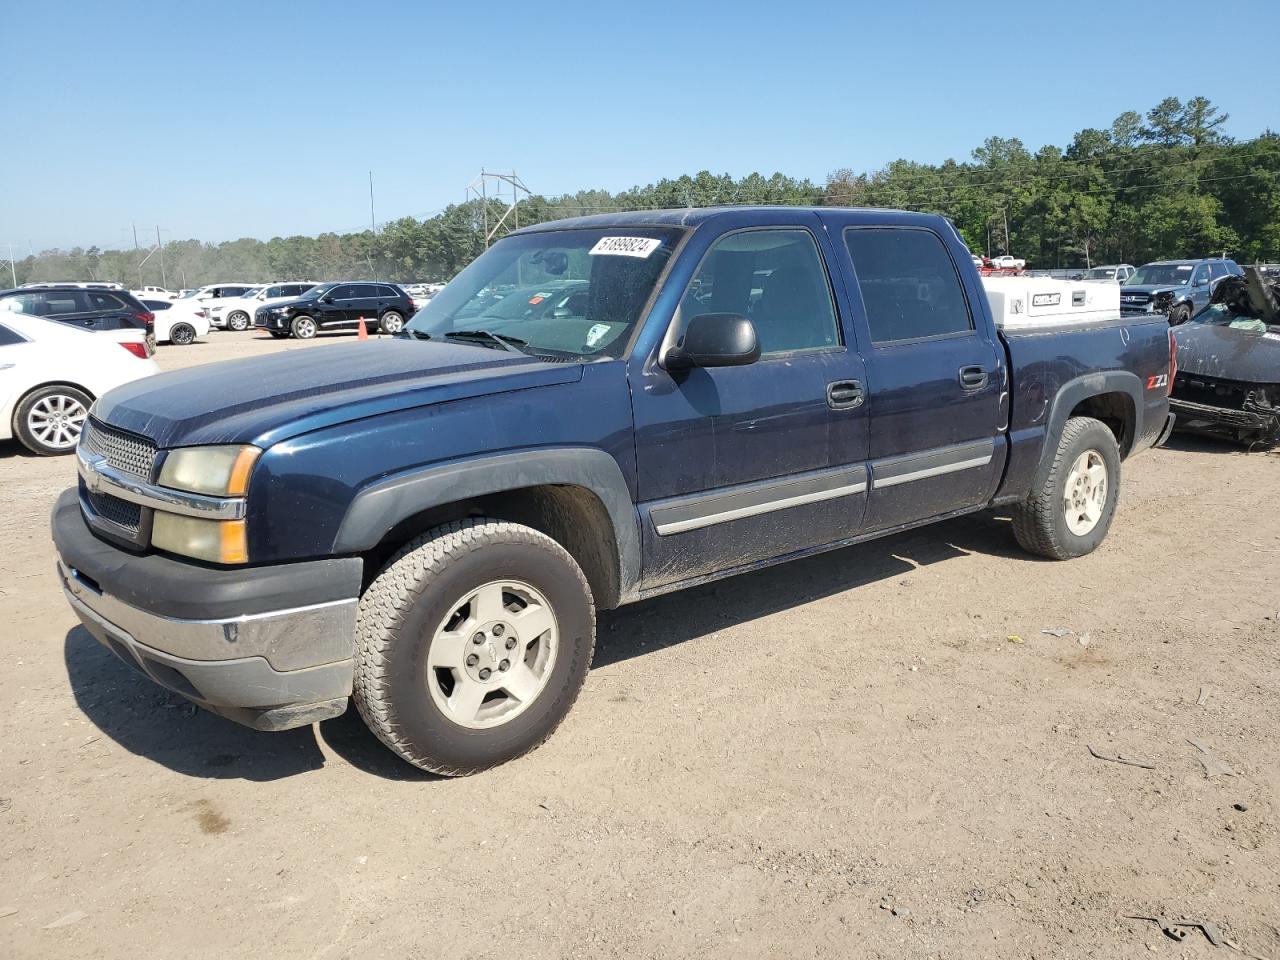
[{"x": 625, "y": 246}]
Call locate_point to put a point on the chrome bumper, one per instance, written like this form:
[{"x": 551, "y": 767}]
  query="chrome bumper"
[{"x": 271, "y": 671}]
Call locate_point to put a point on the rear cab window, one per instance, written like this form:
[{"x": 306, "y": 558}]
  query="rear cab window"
[{"x": 910, "y": 287}]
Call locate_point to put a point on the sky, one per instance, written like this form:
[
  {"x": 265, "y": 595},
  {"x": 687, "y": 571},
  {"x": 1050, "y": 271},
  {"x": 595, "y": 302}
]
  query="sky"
[{"x": 224, "y": 120}]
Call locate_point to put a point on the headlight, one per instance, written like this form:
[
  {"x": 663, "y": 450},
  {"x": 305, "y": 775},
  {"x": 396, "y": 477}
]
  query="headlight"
[
  {"x": 218, "y": 541},
  {"x": 221, "y": 471},
  {"x": 218, "y": 471}
]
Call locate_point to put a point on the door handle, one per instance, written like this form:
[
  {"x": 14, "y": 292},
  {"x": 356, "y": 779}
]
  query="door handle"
[
  {"x": 973, "y": 378},
  {"x": 844, "y": 394}
]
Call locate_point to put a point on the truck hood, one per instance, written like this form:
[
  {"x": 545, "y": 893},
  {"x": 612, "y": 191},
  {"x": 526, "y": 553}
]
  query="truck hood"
[
  {"x": 264, "y": 400},
  {"x": 1222, "y": 352}
]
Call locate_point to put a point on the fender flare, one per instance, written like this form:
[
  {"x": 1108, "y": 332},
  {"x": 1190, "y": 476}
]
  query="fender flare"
[
  {"x": 1072, "y": 393},
  {"x": 381, "y": 505}
]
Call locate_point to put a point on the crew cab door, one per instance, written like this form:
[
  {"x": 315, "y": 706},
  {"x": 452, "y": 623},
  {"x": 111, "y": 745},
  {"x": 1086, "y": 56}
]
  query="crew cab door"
[
  {"x": 936, "y": 373},
  {"x": 740, "y": 464}
]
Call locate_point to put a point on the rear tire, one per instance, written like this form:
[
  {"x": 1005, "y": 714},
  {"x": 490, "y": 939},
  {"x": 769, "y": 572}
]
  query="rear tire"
[
  {"x": 48, "y": 421},
  {"x": 1069, "y": 516},
  {"x": 436, "y": 626},
  {"x": 304, "y": 328},
  {"x": 182, "y": 334},
  {"x": 238, "y": 321},
  {"x": 391, "y": 322}
]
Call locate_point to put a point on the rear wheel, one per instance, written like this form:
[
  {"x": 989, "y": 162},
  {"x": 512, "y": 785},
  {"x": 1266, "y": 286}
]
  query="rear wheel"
[
  {"x": 304, "y": 328},
  {"x": 238, "y": 321},
  {"x": 472, "y": 645},
  {"x": 1180, "y": 314},
  {"x": 391, "y": 322},
  {"x": 1071, "y": 512},
  {"x": 182, "y": 334},
  {"x": 48, "y": 421}
]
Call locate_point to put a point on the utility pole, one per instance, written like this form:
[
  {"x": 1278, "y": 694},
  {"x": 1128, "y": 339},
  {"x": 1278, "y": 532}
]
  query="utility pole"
[
  {"x": 137, "y": 251},
  {"x": 164, "y": 278},
  {"x": 373, "y": 229},
  {"x": 13, "y": 271}
]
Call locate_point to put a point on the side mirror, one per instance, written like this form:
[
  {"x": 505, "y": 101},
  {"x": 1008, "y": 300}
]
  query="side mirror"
[
  {"x": 1202, "y": 282},
  {"x": 715, "y": 340},
  {"x": 326, "y": 299}
]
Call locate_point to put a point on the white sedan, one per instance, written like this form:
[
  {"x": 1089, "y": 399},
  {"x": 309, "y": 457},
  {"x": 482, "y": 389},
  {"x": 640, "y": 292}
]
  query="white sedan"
[
  {"x": 50, "y": 374},
  {"x": 178, "y": 327}
]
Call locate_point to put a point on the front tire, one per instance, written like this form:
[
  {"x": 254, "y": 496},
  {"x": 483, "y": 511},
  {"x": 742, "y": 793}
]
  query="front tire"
[
  {"x": 1180, "y": 314},
  {"x": 48, "y": 421},
  {"x": 439, "y": 622},
  {"x": 391, "y": 322},
  {"x": 182, "y": 334},
  {"x": 238, "y": 321},
  {"x": 1071, "y": 512},
  {"x": 304, "y": 328}
]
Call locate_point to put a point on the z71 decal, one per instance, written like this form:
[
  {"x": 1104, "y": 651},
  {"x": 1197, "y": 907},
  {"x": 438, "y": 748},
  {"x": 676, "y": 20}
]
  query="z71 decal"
[{"x": 1161, "y": 381}]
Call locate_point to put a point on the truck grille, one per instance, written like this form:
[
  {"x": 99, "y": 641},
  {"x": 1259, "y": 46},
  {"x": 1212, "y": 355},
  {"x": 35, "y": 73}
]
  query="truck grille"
[
  {"x": 120, "y": 512},
  {"x": 124, "y": 451}
]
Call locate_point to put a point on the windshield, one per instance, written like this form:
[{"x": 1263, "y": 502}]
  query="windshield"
[
  {"x": 1227, "y": 315},
  {"x": 189, "y": 293},
  {"x": 1160, "y": 274},
  {"x": 567, "y": 293},
  {"x": 1101, "y": 273},
  {"x": 251, "y": 292}
]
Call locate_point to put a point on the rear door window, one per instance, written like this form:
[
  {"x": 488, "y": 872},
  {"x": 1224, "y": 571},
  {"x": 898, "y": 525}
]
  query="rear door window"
[{"x": 909, "y": 284}]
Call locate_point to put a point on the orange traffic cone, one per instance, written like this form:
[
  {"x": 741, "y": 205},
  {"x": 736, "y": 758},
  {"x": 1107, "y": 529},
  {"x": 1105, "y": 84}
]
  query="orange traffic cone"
[{"x": 363, "y": 331}]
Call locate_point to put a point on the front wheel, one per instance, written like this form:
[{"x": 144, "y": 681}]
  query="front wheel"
[
  {"x": 238, "y": 321},
  {"x": 1180, "y": 314},
  {"x": 472, "y": 645},
  {"x": 1071, "y": 512},
  {"x": 182, "y": 334},
  {"x": 304, "y": 328}
]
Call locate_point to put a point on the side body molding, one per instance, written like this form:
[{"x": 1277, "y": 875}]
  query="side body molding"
[{"x": 380, "y": 506}]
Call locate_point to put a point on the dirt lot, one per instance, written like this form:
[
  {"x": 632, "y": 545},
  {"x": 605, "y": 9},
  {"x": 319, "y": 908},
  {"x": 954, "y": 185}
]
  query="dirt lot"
[{"x": 757, "y": 768}]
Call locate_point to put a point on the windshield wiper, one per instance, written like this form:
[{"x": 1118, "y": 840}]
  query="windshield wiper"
[
  {"x": 512, "y": 344},
  {"x": 406, "y": 333}
]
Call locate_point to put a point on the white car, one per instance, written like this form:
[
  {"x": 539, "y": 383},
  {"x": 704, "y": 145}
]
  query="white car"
[
  {"x": 206, "y": 298},
  {"x": 154, "y": 293},
  {"x": 236, "y": 313},
  {"x": 180, "y": 327},
  {"x": 50, "y": 374},
  {"x": 1008, "y": 263}
]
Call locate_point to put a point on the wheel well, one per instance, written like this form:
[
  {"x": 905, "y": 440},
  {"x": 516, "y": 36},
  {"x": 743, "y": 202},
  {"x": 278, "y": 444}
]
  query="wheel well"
[
  {"x": 572, "y": 516},
  {"x": 1116, "y": 411}
]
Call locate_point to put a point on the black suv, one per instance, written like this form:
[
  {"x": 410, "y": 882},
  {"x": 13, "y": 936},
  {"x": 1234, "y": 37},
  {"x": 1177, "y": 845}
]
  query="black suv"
[
  {"x": 338, "y": 306},
  {"x": 84, "y": 306}
]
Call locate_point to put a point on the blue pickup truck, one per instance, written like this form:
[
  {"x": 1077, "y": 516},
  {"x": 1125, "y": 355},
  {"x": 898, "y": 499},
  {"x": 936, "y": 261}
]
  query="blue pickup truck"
[{"x": 594, "y": 412}]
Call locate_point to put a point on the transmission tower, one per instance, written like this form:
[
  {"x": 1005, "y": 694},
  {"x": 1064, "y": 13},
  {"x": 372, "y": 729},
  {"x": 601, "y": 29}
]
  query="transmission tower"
[{"x": 479, "y": 188}]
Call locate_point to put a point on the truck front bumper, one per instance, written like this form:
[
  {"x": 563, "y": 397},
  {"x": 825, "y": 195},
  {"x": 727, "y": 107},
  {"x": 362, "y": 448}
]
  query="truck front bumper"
[{"x": 269, "y": 647}]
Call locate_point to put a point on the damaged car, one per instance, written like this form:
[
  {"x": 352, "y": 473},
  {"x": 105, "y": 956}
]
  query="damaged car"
[{"x": 1228, "y": 374}]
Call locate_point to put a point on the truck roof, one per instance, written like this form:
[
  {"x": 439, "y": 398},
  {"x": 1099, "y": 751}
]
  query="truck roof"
[{"x": 695, "y": 216}]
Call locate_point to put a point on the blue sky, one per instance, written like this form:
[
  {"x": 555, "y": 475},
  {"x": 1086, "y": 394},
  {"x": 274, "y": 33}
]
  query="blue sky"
[{"x": 233, "y": 119}]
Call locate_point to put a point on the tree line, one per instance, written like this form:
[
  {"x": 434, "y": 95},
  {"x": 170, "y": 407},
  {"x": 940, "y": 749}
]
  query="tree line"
[{"x": 1165, "y": 184}]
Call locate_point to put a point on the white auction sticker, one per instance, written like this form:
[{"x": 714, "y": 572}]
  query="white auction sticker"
[{"x": 625, "y": 246}]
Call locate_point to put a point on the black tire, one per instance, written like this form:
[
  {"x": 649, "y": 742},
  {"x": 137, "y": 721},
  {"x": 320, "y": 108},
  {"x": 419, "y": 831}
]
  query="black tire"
[
  {"x": 182, "y": 334},
  {"x": 1040, "y": 522},
  {"x": 391, "y": 322},
  {"x": 304, "y": 327},
  {"x": 56, "y": 441},
  {"x": 278, "y": 334},
  {"x": 415, "y": 592},
  {"x": 238, "y": 321},
  {"x": 1180, "y": 314}
]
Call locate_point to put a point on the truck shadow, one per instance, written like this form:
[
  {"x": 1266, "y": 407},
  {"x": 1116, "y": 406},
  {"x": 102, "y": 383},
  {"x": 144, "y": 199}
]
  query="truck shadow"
[{"x": 153, "y": 723}]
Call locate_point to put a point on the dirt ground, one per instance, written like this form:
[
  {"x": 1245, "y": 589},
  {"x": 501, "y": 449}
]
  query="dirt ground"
[{"x": 844, "y": 756}]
